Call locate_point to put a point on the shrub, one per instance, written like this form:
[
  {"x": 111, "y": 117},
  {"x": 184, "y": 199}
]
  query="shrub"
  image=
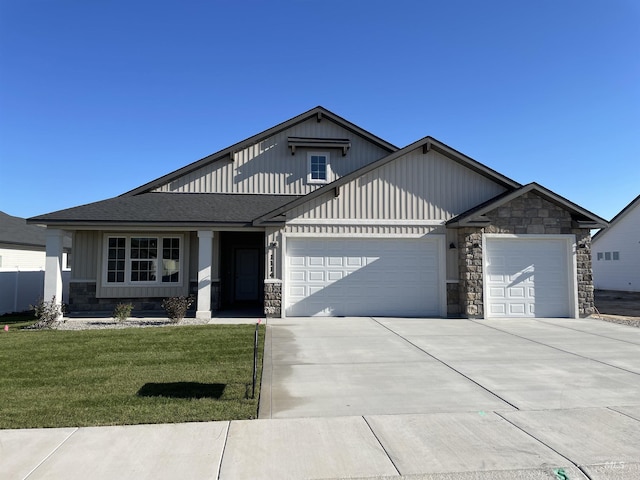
[
  {"x": 47, "y": 313},
  {"x": 122, "y": 311},
  {"x": 176, "y": 307}
]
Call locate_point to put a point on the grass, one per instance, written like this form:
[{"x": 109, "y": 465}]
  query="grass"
[
  {"x": 131, "y": 376},
  {"x": 17, "y": 320}
]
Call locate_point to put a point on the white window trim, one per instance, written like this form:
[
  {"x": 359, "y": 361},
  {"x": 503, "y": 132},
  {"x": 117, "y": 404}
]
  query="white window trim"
[
  {"x": 127, "y": 272},
  {"x": 329, "y": 173}
]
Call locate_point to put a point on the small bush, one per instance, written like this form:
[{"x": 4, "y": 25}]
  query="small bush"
[
  {"x": 48, "y": 313},
  {"x": 122, "y": 311},
  {"x": 176, "y": 307}
]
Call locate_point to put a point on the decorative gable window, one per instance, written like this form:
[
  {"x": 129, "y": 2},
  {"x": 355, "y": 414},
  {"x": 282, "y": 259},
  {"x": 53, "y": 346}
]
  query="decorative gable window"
[
  {"x": 143, "y": 260},
  {"x": 318, "y": 167}
]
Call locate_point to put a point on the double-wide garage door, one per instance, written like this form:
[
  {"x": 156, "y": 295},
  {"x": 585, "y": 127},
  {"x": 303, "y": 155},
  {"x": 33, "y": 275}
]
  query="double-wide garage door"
[
  {"x": 528, "y": 277},
  {"x": 362, "y": 277}
]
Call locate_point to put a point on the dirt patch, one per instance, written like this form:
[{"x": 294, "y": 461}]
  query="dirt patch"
[{"x": 619, "y": 307}]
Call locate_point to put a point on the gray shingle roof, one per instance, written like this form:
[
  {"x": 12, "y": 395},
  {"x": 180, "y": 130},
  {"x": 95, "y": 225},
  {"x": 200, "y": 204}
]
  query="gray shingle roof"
[
  {"x": 15, "y": 231},
  {"x": 170, "y": 208}
]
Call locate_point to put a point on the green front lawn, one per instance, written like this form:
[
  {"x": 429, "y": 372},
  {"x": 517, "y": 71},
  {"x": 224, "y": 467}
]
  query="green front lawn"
[{"x": 116, "y": 377}]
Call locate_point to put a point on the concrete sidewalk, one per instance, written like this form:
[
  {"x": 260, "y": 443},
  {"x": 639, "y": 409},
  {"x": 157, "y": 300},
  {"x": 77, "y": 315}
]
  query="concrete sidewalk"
[
  {"x": 579, "y": 443},
  {"x": 391, "y": 398}
]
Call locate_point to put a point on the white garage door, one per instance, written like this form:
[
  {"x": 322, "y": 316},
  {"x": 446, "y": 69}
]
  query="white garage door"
[
  {"x": 527, "y": 277},
  {"x": 362, "y": 277}
]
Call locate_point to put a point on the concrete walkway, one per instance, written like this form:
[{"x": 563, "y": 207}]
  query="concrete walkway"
[{"x": 391, "y": 398}]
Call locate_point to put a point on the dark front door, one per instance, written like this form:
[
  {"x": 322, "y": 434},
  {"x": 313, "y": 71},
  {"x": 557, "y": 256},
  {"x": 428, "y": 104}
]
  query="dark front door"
[
  {"x": 241, "y": 269},
  {"x": 247, "y": 263}
]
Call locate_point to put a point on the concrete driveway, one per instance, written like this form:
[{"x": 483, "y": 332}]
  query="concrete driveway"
[
  {"x": 545, "y": 398},
  {"x": 385, "y": 366},
  {"x": 384, "y": 398}
]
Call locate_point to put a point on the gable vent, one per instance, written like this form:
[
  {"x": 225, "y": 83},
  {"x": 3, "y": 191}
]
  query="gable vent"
[{"x": 343, "y": 144}]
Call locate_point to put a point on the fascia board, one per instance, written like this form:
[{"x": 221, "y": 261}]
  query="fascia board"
[
  {"x": 433, "y": 143},
  {"x": 619, "y": 216},
  {"x": 259, "y": 137},
  {"x": 531, "y": 187}
]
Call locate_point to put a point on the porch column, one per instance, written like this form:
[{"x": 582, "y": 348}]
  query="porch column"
[
  {"x": 53, "y": 266},
  {"x": 205, "y": 255}
]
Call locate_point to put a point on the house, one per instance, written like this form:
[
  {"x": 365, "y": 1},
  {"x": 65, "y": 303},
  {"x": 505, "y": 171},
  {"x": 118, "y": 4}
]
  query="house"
[
  {"x": 616, "y": 252},
  {"x": 318, "y": 217},
  {"x": 22, "y": 263}
]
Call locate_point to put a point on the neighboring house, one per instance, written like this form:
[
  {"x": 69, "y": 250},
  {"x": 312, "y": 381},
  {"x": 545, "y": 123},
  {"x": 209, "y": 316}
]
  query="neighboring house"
[
  {"x": 22, "y": 263},
  {"x": 318, "y": 217},
  {"x": 616, "y": 252}
]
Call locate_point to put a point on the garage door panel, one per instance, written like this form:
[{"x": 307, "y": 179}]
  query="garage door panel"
[
  {"x": 517, "y": 309},
  {"x": 516, "y": 292},
  {"x": 334, "y": 276},
  {"x": 297, "y": 261},
  {"x": 527, "y": 277},
  {"x": 316, "y": 276},
  {"x": 362, "y": 277}
]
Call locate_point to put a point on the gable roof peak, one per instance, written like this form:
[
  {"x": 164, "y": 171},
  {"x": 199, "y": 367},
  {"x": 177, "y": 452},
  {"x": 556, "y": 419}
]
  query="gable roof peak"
[
  {"x": 632, "y": 204},
  {"x": 426, "y": 143},
  {"x": 582, "y": 216},
  {"x": 319, "y": 111}
]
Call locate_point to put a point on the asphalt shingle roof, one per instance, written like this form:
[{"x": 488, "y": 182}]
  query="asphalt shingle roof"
[
  {"x": 15, "y": 231},
  {"x": 173, "y": 208}
]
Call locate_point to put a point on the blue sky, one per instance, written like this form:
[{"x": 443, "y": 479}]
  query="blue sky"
[{"x": 99, "y": 97}]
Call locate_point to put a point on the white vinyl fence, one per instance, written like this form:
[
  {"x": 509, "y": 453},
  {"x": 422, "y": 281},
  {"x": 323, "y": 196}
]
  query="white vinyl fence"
[{"x": 19, "y": 290}]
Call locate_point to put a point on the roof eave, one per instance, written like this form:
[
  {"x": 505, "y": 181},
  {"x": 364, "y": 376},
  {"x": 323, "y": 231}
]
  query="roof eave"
[
  {"x": 430, "y": 143},
  {"x": 618, "y": 216},
  {"x": 130, "y": 225},
  {"x": 318, "y": 112},
  {"x": 426, "y": 143},
  {"x": 586, "y": 219}
]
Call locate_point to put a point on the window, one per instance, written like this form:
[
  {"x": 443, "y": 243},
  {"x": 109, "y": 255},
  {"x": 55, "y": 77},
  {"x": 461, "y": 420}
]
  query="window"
[
  {"x": 607, "y": 255},
  {"x": 136, "y": 260},
  {"x": 616, "y": 255},
  {"x": 600, "y": 255},
  {"x": 170, "y": 260},
  {"x": 144, "y": 254},
  {"x": 318, "y": 167},
  {"x": 116, "y": 260}
]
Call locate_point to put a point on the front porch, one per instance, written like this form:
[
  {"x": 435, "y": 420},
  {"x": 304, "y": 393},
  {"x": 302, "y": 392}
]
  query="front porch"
[{"x": 223, "y": 270}]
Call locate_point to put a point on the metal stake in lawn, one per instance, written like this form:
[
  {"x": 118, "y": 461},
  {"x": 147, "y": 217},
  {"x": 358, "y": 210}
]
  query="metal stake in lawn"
[{"x": 255, "y": 359}]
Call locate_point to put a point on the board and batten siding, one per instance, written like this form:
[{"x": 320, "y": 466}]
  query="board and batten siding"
[
  {"x": 86, "y": 255},
  {"x": 622, "y": 237},
  {"x": 414, "y": 187},
  {"x": 88, "y": 259},
  {"x": 268, "y": 166}
]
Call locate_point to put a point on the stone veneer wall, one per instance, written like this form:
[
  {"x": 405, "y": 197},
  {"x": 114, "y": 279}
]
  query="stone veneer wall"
[
  {"x": 273, "y": 298},
  {"x": 453, "y": 300},
  {"x": 82, "y": 299},
  {"x": 528, "y": 214}
]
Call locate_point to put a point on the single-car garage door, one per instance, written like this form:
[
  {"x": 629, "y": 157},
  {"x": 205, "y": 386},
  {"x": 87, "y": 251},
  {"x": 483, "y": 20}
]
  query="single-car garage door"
[
  {"x": 362, "y": 277},
  {"x": 528, "y": 277}
]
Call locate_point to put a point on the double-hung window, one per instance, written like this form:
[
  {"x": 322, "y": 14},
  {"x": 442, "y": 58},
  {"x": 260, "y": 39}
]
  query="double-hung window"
[
  {"x": 319, "y": 168},
  {"x": 143, "y": 260}
]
